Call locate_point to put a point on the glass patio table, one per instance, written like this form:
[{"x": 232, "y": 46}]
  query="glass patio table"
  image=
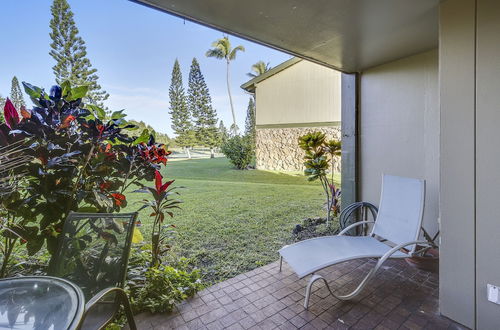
[{"x": 41, "y": 303}]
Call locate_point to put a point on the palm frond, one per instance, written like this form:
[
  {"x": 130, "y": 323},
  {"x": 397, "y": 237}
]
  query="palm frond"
[
  {"x": 221, "y": 48},
  {"x": 12, "y": 161},
  {"x": 259, "y": 68},
  {"x": 225, "y": 45},
  {"x": 215, "y": 52},
  {"x": 232, "y": 54}
]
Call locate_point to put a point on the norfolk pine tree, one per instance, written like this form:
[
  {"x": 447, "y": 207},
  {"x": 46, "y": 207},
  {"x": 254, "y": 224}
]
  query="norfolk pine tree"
[
  {"x": 250, "y": 131},
  {"x": 179, "y": 112},
  {"x": 70, "y": 53},
  {"x": 16, "y": 95},
  {"x": 250, "y": 121},
  {"x": 2, "y": 105},
  {"x": 223, "y": 134},
  {"x": 200, "y": 107}
]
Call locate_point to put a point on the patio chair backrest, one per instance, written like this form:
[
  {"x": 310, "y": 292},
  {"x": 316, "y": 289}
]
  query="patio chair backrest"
[
  {"x": 94, "y": 249},
  {"x": 401, "y": 209}
]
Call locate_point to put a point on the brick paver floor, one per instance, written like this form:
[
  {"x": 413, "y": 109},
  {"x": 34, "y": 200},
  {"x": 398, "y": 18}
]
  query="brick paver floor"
[{"x": 399, "y": 297}]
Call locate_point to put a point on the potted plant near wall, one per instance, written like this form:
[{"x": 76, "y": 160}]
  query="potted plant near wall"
[
  {"x": 426, "y": 258},
  {"x": 320, "y": 162}
]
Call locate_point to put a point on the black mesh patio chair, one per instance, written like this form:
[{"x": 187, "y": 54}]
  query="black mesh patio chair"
[{"x": 93, "y": 253}]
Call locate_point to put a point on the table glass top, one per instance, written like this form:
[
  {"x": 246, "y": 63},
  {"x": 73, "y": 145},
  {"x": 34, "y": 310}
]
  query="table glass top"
[{"x": 30, "y": 303}]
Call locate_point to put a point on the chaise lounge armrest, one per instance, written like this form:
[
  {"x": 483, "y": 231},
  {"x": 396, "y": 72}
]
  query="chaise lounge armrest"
[
  {"x": 398, "y": 247},
  {"x": 346, "y": 229}
]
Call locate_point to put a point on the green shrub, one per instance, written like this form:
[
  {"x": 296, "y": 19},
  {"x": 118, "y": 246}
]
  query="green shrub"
[
  {"x": 164, "y": 287},
  {"x": 157, "y": 289},
  {"x": 239, "y": 151}
]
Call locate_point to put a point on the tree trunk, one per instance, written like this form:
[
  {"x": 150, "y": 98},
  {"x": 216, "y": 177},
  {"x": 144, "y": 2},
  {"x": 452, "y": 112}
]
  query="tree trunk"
[
  {"x": 212, "y": 153},
  {"x": 188, "y": 153},
  {"x": 326, "y": 187},
  {"x": 329, "y": 212},
  {"x": 230, "y": 98}
]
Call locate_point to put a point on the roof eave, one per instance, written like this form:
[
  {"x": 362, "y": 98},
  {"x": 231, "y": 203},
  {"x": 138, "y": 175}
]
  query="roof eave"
[{"x": 250, "y": 85}]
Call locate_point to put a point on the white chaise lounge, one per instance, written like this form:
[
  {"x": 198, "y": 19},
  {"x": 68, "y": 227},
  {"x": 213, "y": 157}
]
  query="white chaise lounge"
[{"x": 397, "y": 226}]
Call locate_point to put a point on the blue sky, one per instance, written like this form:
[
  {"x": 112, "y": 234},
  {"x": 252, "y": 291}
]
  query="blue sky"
[{"x": 133, "y": 47}]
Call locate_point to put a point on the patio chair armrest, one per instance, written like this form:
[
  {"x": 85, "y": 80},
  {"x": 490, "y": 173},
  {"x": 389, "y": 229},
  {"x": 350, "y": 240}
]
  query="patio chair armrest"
[
  {"x": 346, "y": 229},
  {"x": 121, "y": 295},
  {"x": 398, "y": 247},
  {"x": 101, "y": 294}
]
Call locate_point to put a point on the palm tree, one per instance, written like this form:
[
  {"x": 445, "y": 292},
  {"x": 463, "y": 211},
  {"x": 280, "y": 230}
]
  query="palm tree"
[
  {"x": 222, "y": 50},
  {"x": 259, "y": 68}
]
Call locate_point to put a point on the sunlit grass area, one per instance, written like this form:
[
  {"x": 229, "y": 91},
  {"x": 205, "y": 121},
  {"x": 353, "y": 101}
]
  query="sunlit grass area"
[{"x": 233, "y": 221}]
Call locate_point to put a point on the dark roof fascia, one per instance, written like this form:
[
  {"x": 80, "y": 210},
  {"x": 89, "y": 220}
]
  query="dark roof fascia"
[{"x": 249, "y": 86}]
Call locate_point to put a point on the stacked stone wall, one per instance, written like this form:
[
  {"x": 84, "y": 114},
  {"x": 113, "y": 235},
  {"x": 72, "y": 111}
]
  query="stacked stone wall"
[{"x": 278, "y": 149}]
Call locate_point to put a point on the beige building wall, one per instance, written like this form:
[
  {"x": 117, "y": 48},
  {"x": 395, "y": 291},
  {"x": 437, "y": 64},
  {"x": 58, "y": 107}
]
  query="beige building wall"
[
  {"x": 399, "y": 128},
  {"x": 470, "y": 161},
  {"x": 447, "y": 133},
  {"x": 457, "y": 195},
  {"x": 301, "y": 98},
  {"x": 487, "y": 160},
  {"x": 302, "y": 93}
]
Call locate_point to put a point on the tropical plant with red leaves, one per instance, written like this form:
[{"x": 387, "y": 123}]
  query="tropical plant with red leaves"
[
  {"x": 334, "y": 200},
  {"x": 161, "y": 205},
  {"x": 82, "y": 160},
  {"x": 156, "y": 154},
  {"x": 10, "y": 114}
]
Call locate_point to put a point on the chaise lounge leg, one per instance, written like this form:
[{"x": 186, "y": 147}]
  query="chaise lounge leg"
[
  {"x": 356, "y": 291},
  {"x": 349, "y": 296},
  {"x": 313, "y": 279}
]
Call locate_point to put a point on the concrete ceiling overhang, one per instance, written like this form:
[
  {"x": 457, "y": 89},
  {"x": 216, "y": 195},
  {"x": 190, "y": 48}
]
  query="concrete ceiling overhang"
[{"x": 348, "y": 35}]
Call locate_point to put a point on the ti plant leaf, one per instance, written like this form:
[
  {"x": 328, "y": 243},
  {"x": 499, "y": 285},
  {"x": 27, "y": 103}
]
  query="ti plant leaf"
[
  {"x": 143, "y": 138},
  {"x": 66, "y": 89},
  {"x": 118, "y": 115},
  {"x": 98, "y": 112},
  {"x": 78, "y": 92},
  {"x": 33, "y": 91},
  {"x": 137, "y": 236}
]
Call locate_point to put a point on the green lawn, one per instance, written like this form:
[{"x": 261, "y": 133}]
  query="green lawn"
[{"x": 233, "y": 221}]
